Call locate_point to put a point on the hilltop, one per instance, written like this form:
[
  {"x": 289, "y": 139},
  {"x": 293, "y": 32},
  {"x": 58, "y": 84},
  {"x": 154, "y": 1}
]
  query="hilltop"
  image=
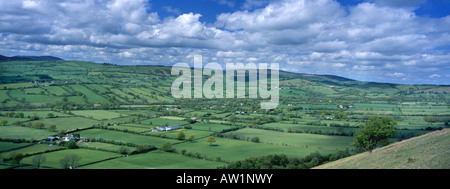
[
  {"x": 429, "y": 151},
  {"x": 28, "y": 58}
]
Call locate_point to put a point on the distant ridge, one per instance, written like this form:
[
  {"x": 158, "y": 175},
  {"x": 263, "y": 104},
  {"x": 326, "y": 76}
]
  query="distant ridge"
[
  {"x": 330, "y": 80},
  {"x": 28, "y": 58}
]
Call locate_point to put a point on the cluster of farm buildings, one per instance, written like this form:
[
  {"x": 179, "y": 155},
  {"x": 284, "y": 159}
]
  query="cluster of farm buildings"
[{"x": 66, "y": 138}]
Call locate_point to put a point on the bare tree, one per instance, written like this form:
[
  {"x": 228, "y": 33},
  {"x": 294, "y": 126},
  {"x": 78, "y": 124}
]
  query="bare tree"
[
  {"x": 39, "y": 160},
  {"x": 70, "y": 161}
]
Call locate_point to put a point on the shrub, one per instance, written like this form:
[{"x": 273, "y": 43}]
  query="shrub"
[
  {"x": 255, "y": 139},
  {"x": 17, "y": 122},
  {"x": 3, "y": 122}
]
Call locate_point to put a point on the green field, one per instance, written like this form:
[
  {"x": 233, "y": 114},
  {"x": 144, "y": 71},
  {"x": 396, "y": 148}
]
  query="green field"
[
  {"x": 131, "y": 127},
  {"x": 211, "y": 127},
  {"x": 11, "y": 120},
  {"x": 156, "y": 160},
  {"x": 33, "y": 149},
  {"x": 97, "y": 114},
  {"x": 125, "y": 137},
  {"x": 5, "y": 146},
  {"x": 163, "y": 122},
  {"x": 16, "y": 132},
  {"x": 118, "y": 107},
  {"x": 104, "y": 146},
  {"x": 233, "y": 150},
  {"x": 301, "y": 140},
  {"x": 87, "y": 156},
  {"x": 69, "y": 123},
  {"x": 187, "y": 132}
]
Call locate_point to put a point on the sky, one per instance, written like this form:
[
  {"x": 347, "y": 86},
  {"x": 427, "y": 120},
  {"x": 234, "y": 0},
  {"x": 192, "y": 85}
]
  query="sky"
[{"x": 395, "y": 41}]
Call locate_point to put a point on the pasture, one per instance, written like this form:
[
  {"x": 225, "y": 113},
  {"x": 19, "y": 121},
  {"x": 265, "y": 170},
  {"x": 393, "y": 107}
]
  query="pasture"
[
  {"x": 97, "y": 114},
  {"x": 104, "y": 146},
  {"x": 233, "y": 150},
  {"x": 117, "y": 107},
  {"x": 125, "y": 138},
  {"x": 87, "y": 156},
  {"x": 163, "y": 122},
  {"x": 32, "y": 149},
  {"x": 301, "y": 140},
  {"x": 17, "y": 132},
  {"x": 173, "y": 134},
  {"x": 6, "y": 146},
  {"x": 156, "y": 160},
  {"x": 69, "y": 123}
]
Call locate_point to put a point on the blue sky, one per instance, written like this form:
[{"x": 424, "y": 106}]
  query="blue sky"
[
  {"x": 398, "y": 41},
  {"x": 211, "y": 8}
]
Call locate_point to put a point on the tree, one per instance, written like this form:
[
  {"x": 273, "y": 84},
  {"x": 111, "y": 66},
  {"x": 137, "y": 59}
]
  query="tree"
[
  {"x": 322, "y": 116},
  {"x": 166, "y": 147},
  {"x": 70, "y": 161},
  {"x": 10, "y": 114},
  {"x": 123, "y": 150},
  {"x": 19, "y": 115},
  {"x": 38, "y": 160},
  {"x": 140, "y": 149},
  {"x": 3, "y": 122},
  {"x": 50, "y": 115},
  {"x": 340, "y": 115},
  {"x": 16, "y": 158},
  {"x": 191, "y": 121},
  {"x": 210, "y": 140},
  {"x": 71, "y": 144},
  {"x": 190, "y": 138},
  {"x": 52, "y": 128},
  {"x": 38, "y": 125},
  {"x": 430, "y": 119},
  {"x": 180, "y": 135},
  {"x": 232, "y": 118},
  {"x": 256, "y": 121},
  {"x": 375, "y": 132}
]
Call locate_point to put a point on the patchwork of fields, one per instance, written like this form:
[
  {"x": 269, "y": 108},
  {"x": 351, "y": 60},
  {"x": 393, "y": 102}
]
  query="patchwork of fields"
[{"x": 118, "y": 109}]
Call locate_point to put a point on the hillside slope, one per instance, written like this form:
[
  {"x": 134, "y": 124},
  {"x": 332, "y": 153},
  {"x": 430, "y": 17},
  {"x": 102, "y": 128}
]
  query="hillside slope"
[{"x": 429, "y": 151}]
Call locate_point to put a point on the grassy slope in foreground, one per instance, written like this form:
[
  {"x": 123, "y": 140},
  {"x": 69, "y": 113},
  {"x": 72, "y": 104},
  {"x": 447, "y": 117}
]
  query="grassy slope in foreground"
[{"x": 429, "y": 151}]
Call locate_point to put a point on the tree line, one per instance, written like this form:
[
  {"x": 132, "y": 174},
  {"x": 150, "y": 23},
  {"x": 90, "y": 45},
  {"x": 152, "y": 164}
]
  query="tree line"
[{"x": 281, "y": 161}]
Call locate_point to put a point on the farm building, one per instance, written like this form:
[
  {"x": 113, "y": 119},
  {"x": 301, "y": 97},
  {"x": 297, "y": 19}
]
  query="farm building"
[
  {"x": 175, "y": 127},
  {"x": 159, "y": 129},
  {"x": 75, "y": 139}
]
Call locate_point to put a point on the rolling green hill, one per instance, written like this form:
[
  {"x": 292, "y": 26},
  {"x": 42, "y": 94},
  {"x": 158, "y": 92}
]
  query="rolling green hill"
[
  {"x": 119, "y": 107},
  {"x": 429, "y": 151},
  {"x": 28, "y": 58}
]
